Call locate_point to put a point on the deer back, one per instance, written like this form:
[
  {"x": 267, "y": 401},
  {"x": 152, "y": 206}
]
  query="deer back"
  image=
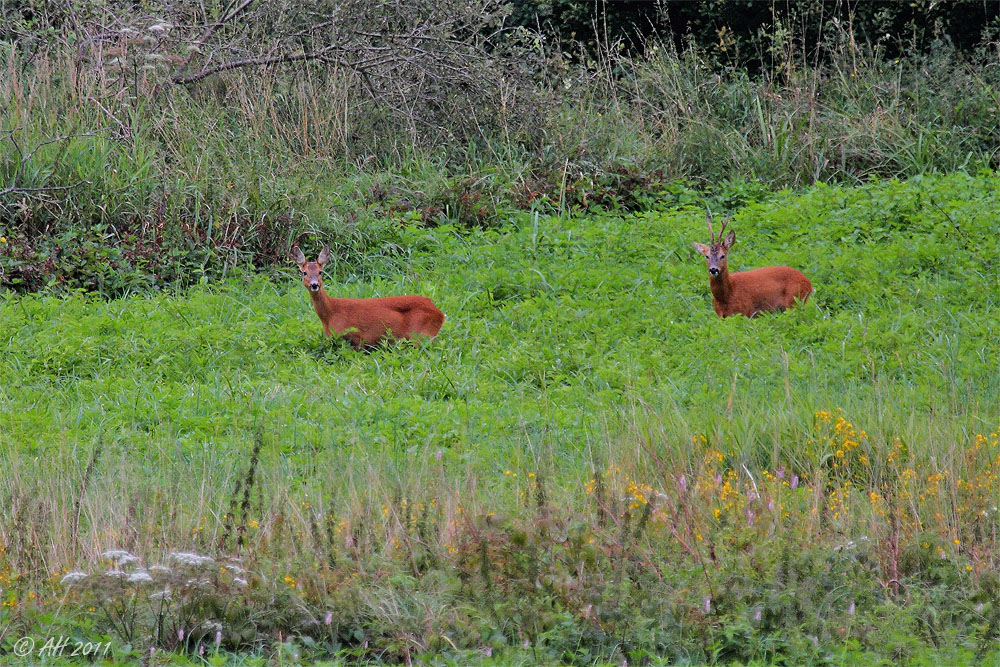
[{"x": 767, "y": 289}]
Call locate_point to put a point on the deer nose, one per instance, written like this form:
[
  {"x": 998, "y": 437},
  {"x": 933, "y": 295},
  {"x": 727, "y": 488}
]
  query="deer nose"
[
  {"x": 313, "y": 287},
  {"x": 713, "y": 271}
]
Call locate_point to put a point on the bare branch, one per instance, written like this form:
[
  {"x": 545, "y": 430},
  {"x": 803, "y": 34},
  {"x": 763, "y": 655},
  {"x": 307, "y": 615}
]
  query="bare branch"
[
  {"x": 229, "y": 14},
  {"x": 252, "y": 62}
]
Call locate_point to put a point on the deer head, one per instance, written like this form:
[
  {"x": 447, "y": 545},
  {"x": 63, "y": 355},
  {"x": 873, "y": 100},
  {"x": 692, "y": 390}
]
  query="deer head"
[
  {"x": 716, "y": 253},
  {"x": 311, "y": 271}
]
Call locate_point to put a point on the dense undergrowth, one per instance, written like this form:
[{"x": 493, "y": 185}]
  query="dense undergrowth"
[{"x": 586, "y": 466}]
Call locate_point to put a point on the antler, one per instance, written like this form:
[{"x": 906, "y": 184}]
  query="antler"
[
  {"x": 708, "y": 219},
  {"x": 722, "y": 232}
]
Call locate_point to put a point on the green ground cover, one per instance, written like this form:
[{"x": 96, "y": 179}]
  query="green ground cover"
[{"x": 586, "y": 465}]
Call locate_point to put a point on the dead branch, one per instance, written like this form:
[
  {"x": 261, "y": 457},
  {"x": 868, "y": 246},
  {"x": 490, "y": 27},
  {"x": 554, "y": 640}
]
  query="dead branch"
[{"x": 255, "y": 62}]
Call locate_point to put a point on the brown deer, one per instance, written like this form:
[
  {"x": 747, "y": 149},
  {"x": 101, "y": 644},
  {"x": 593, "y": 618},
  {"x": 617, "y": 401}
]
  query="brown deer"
[
  {"x": 367, "y": 322},
  {"x": 769, "y": 288}
]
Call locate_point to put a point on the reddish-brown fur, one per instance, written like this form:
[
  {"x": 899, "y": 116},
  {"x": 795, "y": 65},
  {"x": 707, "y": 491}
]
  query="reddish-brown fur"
[
  {"x": 367, "y": 322},
  {"x": 771, "y": 288}
]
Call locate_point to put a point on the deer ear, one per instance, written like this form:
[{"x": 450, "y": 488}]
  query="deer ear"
[
  {"x": 730, "y": 240},
  {"x": 702, "y": 248},
  {"x": 324, "y": 256},
  {"x": 297, "y": 255}
]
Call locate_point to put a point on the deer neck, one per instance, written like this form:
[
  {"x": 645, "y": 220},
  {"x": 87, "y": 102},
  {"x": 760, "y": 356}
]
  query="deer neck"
[
  {"x": 323, "y": 305},
  {"x": 722, "y": 286}
]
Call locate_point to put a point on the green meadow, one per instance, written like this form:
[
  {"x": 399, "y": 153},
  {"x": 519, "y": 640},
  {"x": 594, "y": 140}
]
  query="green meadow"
[{"x": 587, "y": 465}]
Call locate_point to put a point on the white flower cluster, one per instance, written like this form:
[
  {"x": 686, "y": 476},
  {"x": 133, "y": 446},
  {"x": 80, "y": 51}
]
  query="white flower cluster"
[
  {"x": 73, "y": 578},
  {"x": 120, "y": 557},
  {"x": 140, "y": 577},
  {"x": 190, "y": 559}
]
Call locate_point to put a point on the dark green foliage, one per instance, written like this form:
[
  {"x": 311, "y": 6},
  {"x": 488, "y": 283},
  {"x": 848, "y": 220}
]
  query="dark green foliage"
[{"x": 733, "y": 27}]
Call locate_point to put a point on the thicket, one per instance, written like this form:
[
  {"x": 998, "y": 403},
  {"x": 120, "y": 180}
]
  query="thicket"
[{"x": 163, "y": 145}]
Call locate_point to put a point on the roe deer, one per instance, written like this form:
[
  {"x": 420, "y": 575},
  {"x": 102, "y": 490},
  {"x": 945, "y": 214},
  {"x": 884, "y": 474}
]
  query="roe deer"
[
  {"x": 366, "y": 322},
  {"x": 749, "y": 292}
]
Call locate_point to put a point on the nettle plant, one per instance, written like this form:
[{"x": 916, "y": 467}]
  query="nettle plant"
[{"x": 179, "y": 604}]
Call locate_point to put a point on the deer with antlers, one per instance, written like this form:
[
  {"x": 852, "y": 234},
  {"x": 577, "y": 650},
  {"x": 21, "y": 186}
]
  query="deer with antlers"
[
  {"x": 367, "y": 322},
  {"x": 769, "y": 288}
]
